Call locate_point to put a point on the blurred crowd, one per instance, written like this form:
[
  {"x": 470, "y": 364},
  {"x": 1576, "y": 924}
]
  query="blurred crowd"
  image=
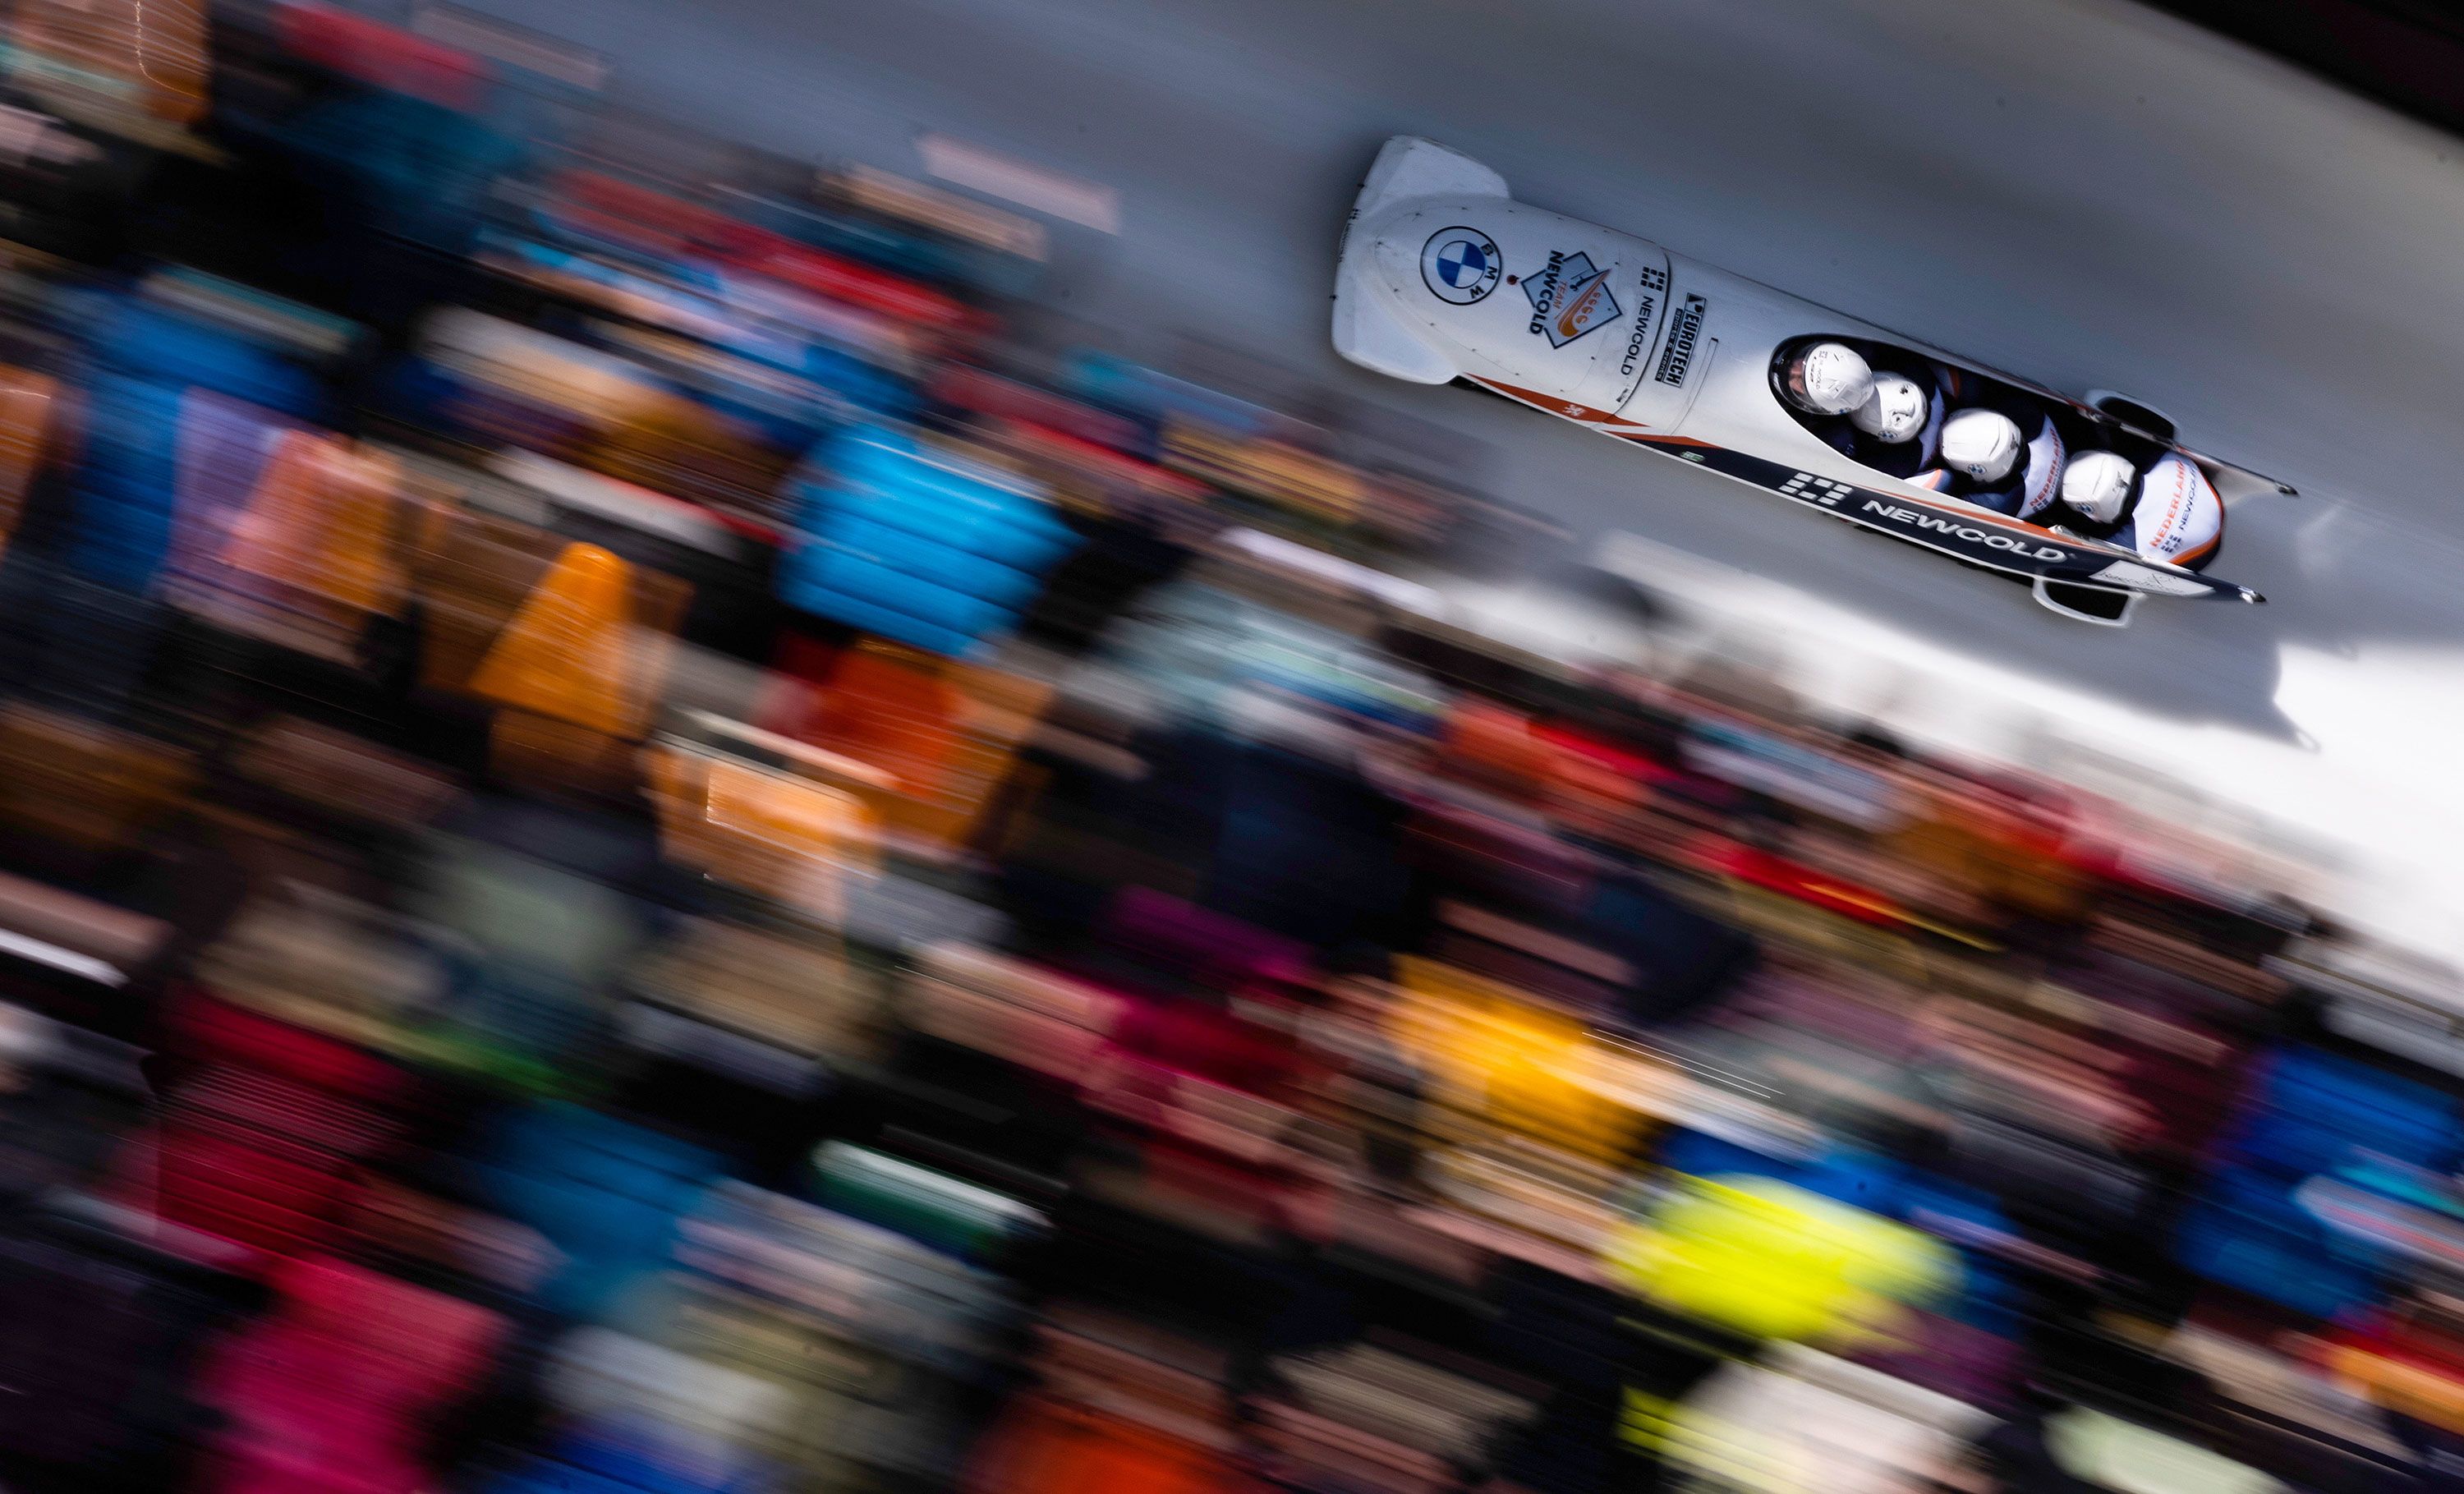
[{"x": 653, "y": 838}]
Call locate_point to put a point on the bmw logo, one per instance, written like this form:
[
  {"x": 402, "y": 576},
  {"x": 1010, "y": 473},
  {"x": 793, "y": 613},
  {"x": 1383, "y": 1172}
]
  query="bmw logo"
[{"x": 1460, "y": 266}]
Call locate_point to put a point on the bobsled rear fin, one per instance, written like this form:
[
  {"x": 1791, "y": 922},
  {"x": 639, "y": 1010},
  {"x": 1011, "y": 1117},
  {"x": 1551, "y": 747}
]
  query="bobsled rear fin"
[
  {"x": 1410, "y": 166},
  {"x": 2233, "y": 484}
]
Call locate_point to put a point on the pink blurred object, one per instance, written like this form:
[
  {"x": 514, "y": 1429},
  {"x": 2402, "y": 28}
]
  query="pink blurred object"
[
  {"x": 265, "y": 1128},
  {"x": 332, "y": 1393}
]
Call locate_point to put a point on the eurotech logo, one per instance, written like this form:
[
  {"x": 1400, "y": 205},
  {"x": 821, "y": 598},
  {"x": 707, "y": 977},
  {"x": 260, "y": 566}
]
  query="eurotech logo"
[{"x": 1460, "y": 266}]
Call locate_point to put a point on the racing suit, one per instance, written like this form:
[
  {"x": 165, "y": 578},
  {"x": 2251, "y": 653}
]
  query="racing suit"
[{"x": 2175, "y": 514}]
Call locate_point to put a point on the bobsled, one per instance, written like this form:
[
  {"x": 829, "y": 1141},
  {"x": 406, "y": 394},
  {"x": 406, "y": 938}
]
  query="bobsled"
[{"x": 1444, "y": 278}]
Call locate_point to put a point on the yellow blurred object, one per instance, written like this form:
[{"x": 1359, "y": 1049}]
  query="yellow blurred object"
[
  {"x": 1771, "y": 1260},
  {"x": 474, "y": 571},
  {"x": 1499, "y": 1059},
  {"x": 569, "y": 652},
  {"x": 147, "y": 56},
  {"x": 322, "y": 519},
  {"x": 2414, "y": 1389},
  {"x": 1644, "y": 1419}
]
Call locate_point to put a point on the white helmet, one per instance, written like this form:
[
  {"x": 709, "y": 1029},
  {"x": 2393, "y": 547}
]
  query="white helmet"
[
  {"x": 1981, "y": 443},
  {"x": 1894, "y": 412},
  {"x": 1829, "y": 379},
  {"x": 2097, "y": 484}
]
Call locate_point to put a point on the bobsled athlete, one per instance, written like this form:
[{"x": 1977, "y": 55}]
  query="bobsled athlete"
[
  {"x": 1897, "y": 430},
  {"x": 2009, "y": 460},
  {"x": 2171, "y": 512},
  {"x": 1828, "y": 379}
]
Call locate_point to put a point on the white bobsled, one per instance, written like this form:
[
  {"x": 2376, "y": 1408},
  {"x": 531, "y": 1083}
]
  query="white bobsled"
[{"x": 1443, "y": 276}]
